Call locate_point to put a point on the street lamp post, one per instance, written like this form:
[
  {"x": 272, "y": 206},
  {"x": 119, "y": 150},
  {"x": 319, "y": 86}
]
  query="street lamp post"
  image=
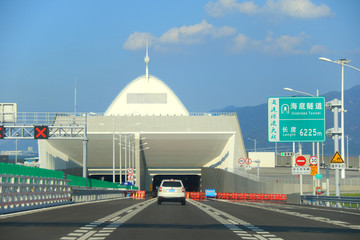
[{"x": 342, "y": 62}]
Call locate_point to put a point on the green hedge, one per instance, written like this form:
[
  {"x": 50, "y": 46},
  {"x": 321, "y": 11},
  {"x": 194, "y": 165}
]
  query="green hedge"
[
  {"x": 12, "y": 169},
  {"x": 83, "y": 182},
  {"x": 21, "y": 170}
]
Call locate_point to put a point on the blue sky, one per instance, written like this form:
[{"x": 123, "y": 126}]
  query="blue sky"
[{"x": 210, "y": 53}]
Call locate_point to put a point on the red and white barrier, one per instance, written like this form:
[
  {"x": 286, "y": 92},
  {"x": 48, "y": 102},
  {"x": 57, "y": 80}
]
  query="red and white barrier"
[{"x": 198, "y": 196}]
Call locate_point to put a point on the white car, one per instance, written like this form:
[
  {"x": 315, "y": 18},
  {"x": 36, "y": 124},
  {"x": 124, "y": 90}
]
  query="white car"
[{"x": 171, "y": 190}]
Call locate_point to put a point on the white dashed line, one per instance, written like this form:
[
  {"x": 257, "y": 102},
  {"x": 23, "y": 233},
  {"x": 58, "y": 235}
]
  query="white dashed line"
[
  {"x": 234, "y": 224},
  {"x": 115, "y": 220}
]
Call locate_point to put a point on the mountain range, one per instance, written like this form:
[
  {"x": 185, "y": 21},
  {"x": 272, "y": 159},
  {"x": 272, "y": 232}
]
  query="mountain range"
[{"x": 253, "y": 124}]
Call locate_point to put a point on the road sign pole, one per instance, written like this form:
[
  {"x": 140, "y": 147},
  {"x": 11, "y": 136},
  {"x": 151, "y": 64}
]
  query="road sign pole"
[
  {"x": 318, "y": 156},
  {"x": 336, "y": 148},
  {"x": 327, "y": 181},
  {"x": 337, "y": 182},
  {"x": 293, "y": 157},
  {"x": 314, "y": 179},
  {"x": 301, "y": 176}
]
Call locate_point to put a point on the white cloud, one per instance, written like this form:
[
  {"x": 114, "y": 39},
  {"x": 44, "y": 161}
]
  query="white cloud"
[
  {"x": 221, "y": 7},
  {"x": 285, "y": 44},
  {"x": 240, "y": 42},
  {"x": 138, "y": 40},
  {"x": 319, "y": 49},
  {"x": 298, "y": 8},
  {"x": 203, "y": 31},
  {"x": 185, "y": 35},
  {"x": 291, "y": 8}
]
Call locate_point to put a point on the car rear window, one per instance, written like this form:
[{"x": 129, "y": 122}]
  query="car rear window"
[{"x": 171, "y": 184}]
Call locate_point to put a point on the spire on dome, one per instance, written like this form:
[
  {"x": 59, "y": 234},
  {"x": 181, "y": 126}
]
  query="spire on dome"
[{"x": 147, "y": 60}]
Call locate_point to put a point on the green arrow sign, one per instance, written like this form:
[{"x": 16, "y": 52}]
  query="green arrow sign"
[{"x": 296, "y": 119}]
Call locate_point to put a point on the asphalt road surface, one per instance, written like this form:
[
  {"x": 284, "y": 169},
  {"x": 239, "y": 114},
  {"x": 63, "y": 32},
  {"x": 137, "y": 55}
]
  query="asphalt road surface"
[{"x": 211, "y": 219}]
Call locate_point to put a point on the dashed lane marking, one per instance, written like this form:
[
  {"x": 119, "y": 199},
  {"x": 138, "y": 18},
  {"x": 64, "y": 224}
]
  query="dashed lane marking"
[
  {"x": 297, "y": 214},
  {"x": 88, "y": 234},
  {"x": 113, "y": 221},
  {"x": 234, "y": 224}
]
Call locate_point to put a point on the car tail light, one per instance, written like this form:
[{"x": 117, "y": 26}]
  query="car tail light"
[
  {"x": 183, "y": 189},
  {"x": 160, "y": 189}
]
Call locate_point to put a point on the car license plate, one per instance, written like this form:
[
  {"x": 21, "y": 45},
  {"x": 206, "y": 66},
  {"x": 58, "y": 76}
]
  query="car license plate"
[{"x": 171, "y": 190}]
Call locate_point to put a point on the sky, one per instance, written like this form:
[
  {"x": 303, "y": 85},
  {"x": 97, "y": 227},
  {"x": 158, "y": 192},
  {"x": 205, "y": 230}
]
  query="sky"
[{"x": 211, "y": 53}]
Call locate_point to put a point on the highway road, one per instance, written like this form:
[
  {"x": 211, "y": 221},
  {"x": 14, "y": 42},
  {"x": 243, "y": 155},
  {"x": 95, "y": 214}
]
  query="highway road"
[{"x": 211, "y": 219}]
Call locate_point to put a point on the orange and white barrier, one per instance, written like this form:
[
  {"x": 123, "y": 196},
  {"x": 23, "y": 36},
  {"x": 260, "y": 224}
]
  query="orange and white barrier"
[
  {"x": 138, "y": 195},
  {"x": 198, "y": 196},
  {"x": 252, "y": 196}
]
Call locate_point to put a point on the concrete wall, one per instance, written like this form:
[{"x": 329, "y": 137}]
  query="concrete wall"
[
  {"x": 223, "y": 181},
  {"x": 267, "y": 159}
]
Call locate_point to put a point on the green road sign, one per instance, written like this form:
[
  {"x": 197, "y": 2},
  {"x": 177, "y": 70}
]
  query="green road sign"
[{"x": 296, "y": 119}]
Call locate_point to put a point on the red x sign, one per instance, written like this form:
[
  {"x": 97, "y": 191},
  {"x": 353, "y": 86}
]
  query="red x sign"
[
  {"x": 41, "y": 132},
  {"x": 2, "y": 131}
]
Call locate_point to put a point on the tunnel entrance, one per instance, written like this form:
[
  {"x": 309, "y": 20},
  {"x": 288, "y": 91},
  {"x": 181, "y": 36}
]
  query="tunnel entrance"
[{"x": 191, "y": 182}]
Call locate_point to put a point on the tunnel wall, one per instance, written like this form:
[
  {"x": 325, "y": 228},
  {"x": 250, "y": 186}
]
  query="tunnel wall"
[{"x": 223, "y": 181}]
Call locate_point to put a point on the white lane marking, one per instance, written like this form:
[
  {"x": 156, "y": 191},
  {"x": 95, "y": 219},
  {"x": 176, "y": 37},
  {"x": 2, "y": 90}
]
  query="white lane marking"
[
  {"x": 86, "y": 228},
  {"x": 106, "y": 230},
  {"x": 101, "y": 234},
  {"x": 297, "y": 214},
  {"x": 232, "y": 223},
  {"x": 87, "y": 235},
  {"x": 260, "y": 237},
  {"x": 74, "y": 234},
  {"x": 115, "y": 219}
]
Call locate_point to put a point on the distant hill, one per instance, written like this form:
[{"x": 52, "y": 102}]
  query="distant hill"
[{"x": 253, "y": 123}]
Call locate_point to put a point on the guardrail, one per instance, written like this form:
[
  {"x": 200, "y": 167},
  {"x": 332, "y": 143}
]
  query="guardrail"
[
  {"x": 24, "y": 188},
  {"x": 331, "y": 201},
  {"x": 28, "y": 192},
  {"x": 86, "y": 195}
]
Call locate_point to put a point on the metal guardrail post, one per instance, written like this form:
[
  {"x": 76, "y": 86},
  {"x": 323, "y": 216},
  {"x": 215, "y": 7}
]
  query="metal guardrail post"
[{"x": 328, "y": 200}]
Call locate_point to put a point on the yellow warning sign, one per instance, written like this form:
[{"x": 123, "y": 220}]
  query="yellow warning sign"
[
  {"x": 313, "y": 170},
  {"x": 337, "y": 158}
]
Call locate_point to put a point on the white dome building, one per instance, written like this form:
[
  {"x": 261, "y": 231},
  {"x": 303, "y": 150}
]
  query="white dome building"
[
  {"x": 148, "y": 129},
  {"x": 146, "y": 96}
]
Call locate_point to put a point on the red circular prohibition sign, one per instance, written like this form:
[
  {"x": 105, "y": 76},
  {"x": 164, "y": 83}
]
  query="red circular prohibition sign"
[{"x": 300, "y": 160}]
